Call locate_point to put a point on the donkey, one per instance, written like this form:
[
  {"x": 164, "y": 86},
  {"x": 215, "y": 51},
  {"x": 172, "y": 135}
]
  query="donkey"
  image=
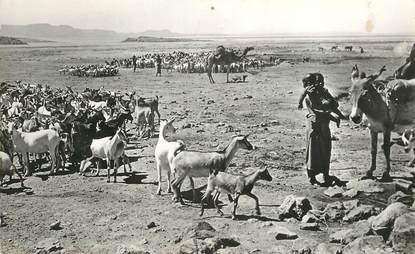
[{"x": 386, "y": 111}]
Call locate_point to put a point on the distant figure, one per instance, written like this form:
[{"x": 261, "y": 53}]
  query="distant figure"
[
  {"x": 362, "y": 50},
  {"x": 158, "y": 65},
  {"x": 134, "y": 62}
]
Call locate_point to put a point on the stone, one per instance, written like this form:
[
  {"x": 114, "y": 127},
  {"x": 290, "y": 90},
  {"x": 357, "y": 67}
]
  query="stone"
[
  {"x": 334, "y": 192},
  {"x": 309, "y": 218},
  {"x": 49, "y": 245},
  {"x": 366, "y": 244},
  {"x": 401, "y": 197},
  {"x": 208, "y": 245},
  {"x": 200, "y": 230},
  {"x": 313, "y": 226},
  {"x": 367, "y": 185},
  {"x": 328, "y": 248},
  {"x": 403, "y": 233},
  {"x": 294, "y": 207},
  {"x": 143, "y": 241},
  {"x": 352, "y": 193},
  {"x": 360, "y": 213},
  {"x": 334, "y": 211},
  {"x": 151, "y": 225},
  {"x": 350, "y": 204},
  {"x": 130, "y": 249},
  {"x": 361, "y": 228},
  {"x": 280, "y": 249},
  {"x": 303, "y": 246},
  {"x": 55, "y": 226},
  {"x": 282, "y": 233},
  {"x": 383, "y": 222}
]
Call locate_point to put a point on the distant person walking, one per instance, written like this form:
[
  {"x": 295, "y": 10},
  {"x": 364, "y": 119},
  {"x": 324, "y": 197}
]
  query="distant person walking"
[
  {"x": 134, "y": 62},
  {"x": 158, "y": 66}
]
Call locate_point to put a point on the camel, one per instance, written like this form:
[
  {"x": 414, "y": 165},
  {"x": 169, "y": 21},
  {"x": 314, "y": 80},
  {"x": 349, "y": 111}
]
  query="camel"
[{"x": 224, "y": 57}]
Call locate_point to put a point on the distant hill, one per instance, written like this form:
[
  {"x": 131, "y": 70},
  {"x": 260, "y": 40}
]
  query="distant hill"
[
  {"x": 155, "y": 39},
  {"x": 11, "y": 41},
  {"x": 66, "y": 33},
  {"x": 31, "y": 40}
]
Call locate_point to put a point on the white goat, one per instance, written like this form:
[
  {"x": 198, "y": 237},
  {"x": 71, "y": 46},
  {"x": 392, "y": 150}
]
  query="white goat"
[
  {"x": 145, "y": 121},
  {"x": 7, "y": 168},
  {"x": 97, "y": 105},
  {"x": 36, "y": 142},
  {"x": 164, "y": 150},
  {"x": 108, "y": 148},
  {"x": 234, "y": 185},
  {"x": 200, "y": 164}
]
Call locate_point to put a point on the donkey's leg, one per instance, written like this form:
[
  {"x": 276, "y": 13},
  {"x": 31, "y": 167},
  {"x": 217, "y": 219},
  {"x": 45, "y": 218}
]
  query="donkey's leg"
[
  {"x": 373, "y": 151},
  {"x": 386, "y": 150}
]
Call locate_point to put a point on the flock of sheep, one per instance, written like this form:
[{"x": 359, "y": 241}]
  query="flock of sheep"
[{"x": 60, "y": 125}]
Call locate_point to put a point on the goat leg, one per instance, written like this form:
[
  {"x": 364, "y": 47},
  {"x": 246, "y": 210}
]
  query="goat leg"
[
  {"x": 258, "y": 211},
  {"x": 116, "y": 165},
  {"x": 192, "y": 184},
  {"x": 108, "y": 170},
  {"x": 235, "y": 204},
  {"x": 215, "y": 203}
]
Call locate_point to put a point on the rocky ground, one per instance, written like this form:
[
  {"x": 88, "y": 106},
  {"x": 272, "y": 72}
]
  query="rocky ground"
[{"x": 69, "y": 213}]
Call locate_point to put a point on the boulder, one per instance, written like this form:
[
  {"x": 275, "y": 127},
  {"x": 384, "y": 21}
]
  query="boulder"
[
  {"x": 350, "y": 204},
  {"x": 303, "y": 246},
  {"x": 130, "y": 249},
  {"x": 208, "y": 245},
  {"x": 367, "y": 185},
  {"x": 366, "y": 244},
  {"x": 361, "y": 228},
  {"x": 334, "y": 192},
  {"x": 383, "y": 222},
  {"x": 310, "y": 226},
  {"x": 282, "y": 233},
  {"x": 401, "y": 197},
  {"x": 328, "y": 248},
  {"x": 403, "y": 233},
  {"x": 294, "y": 207},
  {"x": 334, "y": 211},
  {"x": 352, "y": 193},
  {"x": 360, "y": 213},
  {"x": 49, "y": 245}
]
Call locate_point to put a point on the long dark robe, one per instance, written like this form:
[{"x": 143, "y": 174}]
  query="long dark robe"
[{"x": 318, "y": 140}]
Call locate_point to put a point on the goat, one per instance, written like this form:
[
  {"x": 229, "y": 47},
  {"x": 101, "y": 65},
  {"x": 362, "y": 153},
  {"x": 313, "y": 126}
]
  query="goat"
[
  {"x": 109, "y": 148},
  {"x": 8, "y": 168},
  {"x": 164, "y": 150},
  {"x": 201, "y": 164},
  {"x": 36, "y": 142},
  {"x": 152, "y": 103},
  {"x": 145, "y": 121},
  {"x": 234, "y": 185}
]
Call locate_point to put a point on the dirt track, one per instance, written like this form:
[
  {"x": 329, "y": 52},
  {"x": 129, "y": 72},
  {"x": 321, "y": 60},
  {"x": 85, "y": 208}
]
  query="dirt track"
[{"x": 98, "y": 217}]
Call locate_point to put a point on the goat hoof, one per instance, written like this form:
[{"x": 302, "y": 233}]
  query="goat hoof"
[
  {"x": 386, "y": 178},
  {"x": 158, "y": 193},
  {"x": 368, "y": 176},
  {"x": 258, "y": 212}
]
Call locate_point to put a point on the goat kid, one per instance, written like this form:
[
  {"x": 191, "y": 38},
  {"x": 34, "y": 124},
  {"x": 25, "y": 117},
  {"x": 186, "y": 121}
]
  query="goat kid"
[
  {"x": 108, "y": 148},
  {"x": 234, "y": 185},
  {"x": 7, "y": 168},
  {"x": 201, "y": 164},
  {"x": 164, "y": 150}
]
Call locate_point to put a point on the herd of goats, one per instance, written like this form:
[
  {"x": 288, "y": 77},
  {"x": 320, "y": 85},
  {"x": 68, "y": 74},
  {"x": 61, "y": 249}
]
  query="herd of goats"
[
  {"x": 40, "y": 123},
  {"x": 91, "y": 70}
]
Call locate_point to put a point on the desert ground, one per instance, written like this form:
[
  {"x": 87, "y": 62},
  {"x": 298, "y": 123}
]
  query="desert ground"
[{"x": 99, "y": 217}]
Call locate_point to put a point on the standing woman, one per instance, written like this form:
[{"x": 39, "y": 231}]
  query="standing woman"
[{"x": 318, "y": 137}]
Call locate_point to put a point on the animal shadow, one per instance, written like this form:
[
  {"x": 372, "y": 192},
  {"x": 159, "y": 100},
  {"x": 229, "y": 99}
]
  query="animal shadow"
[
  {"x": 134, "y": 178},
  {"x": 188, "y": 195},
  {"x": 10, "y": 191},
  {"x": 243, "y": 217}
]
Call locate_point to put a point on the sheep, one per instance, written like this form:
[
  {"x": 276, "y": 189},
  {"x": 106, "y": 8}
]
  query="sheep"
[
  {"x": 109, "y": 148},
  {"x": 164, "y": 150},
  {"x": 201, "y": 164},
  {"x": 7, "y": 168},
  {"x": 234, "y": 185},
  {"x": 35, "y": 142}
]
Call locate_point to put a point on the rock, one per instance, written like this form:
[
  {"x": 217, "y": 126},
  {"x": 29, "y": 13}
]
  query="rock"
[
  {"x": 403, "y": 233},
  {"x": 401, "y": 197},
  {"x": 200, "y": 230},
  {"x": 352, "y": 193},
  {"x": 367, "y": 185},
  {"x": 303, "y": 246},
  {"x": 382, "y": 223},
  {"x": 143, "y": 241},
  {"x": 55, "y": 226},
  {"x": 328, "y": 248},
  {"x": 209, "y": 245},
  {"x": 361, "y": 228},
  {"x": 290, "y": 92},
  {"x": 49, "y": 245},
  {"x": 334, "y": 211},
  {"x": 210, "y": 101},
  {"x": 309, "y": 226},
  {"x": 310, "y": 218},
  {"x": 334, "y": 192},
  {"x": 350, "y": 204},
  {"x": 151, "y": 225},
  {"x": 130, "y": 249},
  {"x": 366, "y": 244},
  {"x": 280, "y": 249},
  {"x": 282, "y": 233},
  {"x": 360, "y": 213},
  {"x": 295, "y": 207}
]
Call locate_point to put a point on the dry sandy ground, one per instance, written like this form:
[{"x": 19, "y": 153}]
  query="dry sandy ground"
[{"x": 98, "y": 217}]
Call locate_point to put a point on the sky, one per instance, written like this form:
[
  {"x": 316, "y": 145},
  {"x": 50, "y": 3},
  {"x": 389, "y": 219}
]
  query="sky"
[{"x": 218, "y": 16}]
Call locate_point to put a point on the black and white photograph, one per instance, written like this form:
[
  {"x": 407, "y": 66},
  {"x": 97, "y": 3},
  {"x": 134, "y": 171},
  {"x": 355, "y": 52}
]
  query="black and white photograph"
[{"x": 207, "y": 126}]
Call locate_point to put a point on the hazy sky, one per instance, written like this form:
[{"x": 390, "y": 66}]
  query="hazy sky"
[{"x": 218, "y": 16}]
